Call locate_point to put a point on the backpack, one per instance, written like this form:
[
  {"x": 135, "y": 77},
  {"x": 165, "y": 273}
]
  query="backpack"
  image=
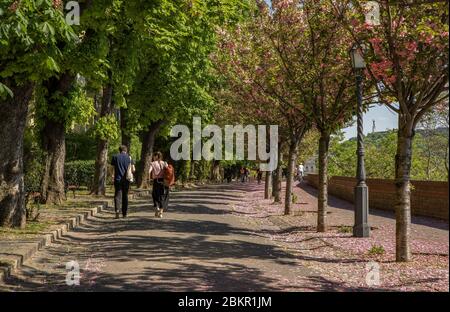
[{"x": 169, "y": 176}]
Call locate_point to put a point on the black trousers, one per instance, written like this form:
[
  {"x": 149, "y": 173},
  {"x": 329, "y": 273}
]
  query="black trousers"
[
  {"x": 121, "y": 189},
  {"x": 160, "y": 194}
]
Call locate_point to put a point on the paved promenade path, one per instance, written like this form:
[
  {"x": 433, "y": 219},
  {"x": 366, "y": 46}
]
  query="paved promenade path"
[
  {"x": 227, "y": 238},
  {"x": 198, "y": 245}
]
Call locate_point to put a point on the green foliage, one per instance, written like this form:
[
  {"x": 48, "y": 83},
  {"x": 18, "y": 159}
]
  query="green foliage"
[
  {"x": 202, "y": 170},
  {"x": 75, "y": 108},
  {"x": 380, "y": 151},
  {"x": 33, "y": 176},
  {"x": 182, "y": 170},
  {"x": 308, "y": 146},
  {"x": 345, "y": 229},
  {"x": 34, "y": 164},
  {"x": 5, "y": 91},
  {"x": 107, "y": 128},
  {"x": 80, "y": 172},
  {"x": 136, "y": 147},
  {"x": 80, "y": 146},
  {"x": 174, "y": 79},
  {"x": 376, "y": 250},
  {"x": 80, "y": 107},
  {"x": 294, "y": 198},
  {"x": 30, "y": 33}
]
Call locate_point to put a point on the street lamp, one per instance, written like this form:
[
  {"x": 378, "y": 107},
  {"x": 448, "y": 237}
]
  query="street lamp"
[{"x": 361, "y": 227}]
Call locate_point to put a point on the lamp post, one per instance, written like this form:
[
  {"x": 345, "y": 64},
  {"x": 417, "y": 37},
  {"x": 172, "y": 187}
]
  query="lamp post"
[{"x": 361, "y": 227}]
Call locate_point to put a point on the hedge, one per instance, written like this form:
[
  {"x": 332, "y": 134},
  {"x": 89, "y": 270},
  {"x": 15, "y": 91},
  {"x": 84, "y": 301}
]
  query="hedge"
[{"x": 79, "y": 172}]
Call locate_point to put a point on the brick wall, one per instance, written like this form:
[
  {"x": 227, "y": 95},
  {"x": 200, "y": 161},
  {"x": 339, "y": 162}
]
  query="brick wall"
[{"x": 427, "y": 198}]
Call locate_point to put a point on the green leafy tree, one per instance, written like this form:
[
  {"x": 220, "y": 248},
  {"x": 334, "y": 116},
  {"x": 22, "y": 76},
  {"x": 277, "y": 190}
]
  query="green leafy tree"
[
  {"x": 30, "y": 34},
  {"x": 174, "y": 79}
]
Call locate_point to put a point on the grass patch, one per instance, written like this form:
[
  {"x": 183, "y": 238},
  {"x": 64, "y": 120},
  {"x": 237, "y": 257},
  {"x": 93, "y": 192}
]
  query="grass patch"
[
  {"x": 294, "y": 198},
  {"x": 345, "y": 229},
  {"x": 5, "y": 263},
  {"x": 376, "y": 250},
  {"x": 32, "y": 228}
]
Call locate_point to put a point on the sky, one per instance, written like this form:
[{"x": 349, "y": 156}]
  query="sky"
[{"x": 385, "y": 119}]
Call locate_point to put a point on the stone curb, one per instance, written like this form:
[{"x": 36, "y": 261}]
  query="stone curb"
[{"x": 17, "y": 261}]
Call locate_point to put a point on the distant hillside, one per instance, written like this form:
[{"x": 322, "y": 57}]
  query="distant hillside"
[
  {"x": 429, "y": 160},
  {"x": 377, "y": 136}
]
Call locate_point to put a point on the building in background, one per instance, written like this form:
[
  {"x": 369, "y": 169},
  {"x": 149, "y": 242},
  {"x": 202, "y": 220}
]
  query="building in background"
[{"x": 310, "y": 165}]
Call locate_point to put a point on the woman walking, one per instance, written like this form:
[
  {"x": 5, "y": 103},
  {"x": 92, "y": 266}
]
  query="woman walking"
[{"x": 160, "y": 192}]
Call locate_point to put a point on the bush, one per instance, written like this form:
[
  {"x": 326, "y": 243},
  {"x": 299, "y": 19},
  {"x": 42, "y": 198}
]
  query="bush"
[
  {"x": 80, "y": 146},
  {"x": 202, "y": 170},
  {"x": 33, "y": 161},
  {"x": 80, "y": 172},
  {"x": 182, "y": 170},
  {"x": 34, "y": 170}
]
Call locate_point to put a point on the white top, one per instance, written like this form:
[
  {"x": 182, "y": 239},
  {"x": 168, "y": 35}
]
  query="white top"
[
  {"x": 301, "y": 168},
  {"x": 156, "y": 167}
]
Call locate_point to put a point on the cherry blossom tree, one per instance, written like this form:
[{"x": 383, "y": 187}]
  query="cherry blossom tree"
[
  {"x": 253, "y": 69},
  {"x": 407, "y": 56},
  {"x": 311, "y": 47}
]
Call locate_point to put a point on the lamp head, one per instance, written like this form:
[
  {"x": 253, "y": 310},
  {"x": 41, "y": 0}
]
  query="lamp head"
[{"x": 357, "y": 57}]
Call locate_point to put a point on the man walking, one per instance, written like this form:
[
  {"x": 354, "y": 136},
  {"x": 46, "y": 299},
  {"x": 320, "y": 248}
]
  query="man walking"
[
  {"x": 301, "y": 172},
  {"x": 122, "y": 163}
]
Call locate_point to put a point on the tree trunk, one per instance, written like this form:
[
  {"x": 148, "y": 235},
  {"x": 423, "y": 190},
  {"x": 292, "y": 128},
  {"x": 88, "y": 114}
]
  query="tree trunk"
[
  {"x": 267, "y": 188},
  {"x": 54, "y": 143},
  {"x": 12, "y": 126},
  {"x": 403, "y": 191},
  {"x": 192, "y": 170},
  {"x": 322, "y": 208},
  {"x": 446, "y": 160},
  {"x": 290, "y": 177},
  {"x": 148, "y": 141},
  {"x": 126, "y": 138},
  {"x": 101, "y": 161},
  {"x": 277, "y": 179},
  {"x": 54, "y": 140}
]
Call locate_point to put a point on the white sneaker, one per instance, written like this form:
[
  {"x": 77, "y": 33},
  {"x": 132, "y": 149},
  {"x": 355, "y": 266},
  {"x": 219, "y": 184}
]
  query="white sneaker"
[{"x": 160, "y": 214}]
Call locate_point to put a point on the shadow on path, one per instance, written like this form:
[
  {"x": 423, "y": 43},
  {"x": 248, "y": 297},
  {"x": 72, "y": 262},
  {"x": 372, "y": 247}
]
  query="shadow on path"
[
  {"x": 199, "y": 247},
  {"x": 335, "y": 202}
]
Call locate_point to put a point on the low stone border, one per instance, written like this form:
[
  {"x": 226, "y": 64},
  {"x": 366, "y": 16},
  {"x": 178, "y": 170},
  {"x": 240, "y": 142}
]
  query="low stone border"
[{"x": 15, "y": 262}]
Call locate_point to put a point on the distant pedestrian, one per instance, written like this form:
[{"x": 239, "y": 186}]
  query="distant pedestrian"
[
  {"x": 246, "y": 174},
  {"x": 163, "y": 177},
  {"x": 300, "y": 172},
  {"x": 123, "y": 176},
  {"x": 242, "y": 174}
]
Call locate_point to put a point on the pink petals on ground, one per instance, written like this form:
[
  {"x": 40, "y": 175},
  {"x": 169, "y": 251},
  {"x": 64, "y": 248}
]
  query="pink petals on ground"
[{"x": 343, "y": 259}]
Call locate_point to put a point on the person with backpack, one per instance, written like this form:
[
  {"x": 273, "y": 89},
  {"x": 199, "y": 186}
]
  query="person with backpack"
[
  {"x": 163, "y": 177},
  {"x": 122, "y": 177}
]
